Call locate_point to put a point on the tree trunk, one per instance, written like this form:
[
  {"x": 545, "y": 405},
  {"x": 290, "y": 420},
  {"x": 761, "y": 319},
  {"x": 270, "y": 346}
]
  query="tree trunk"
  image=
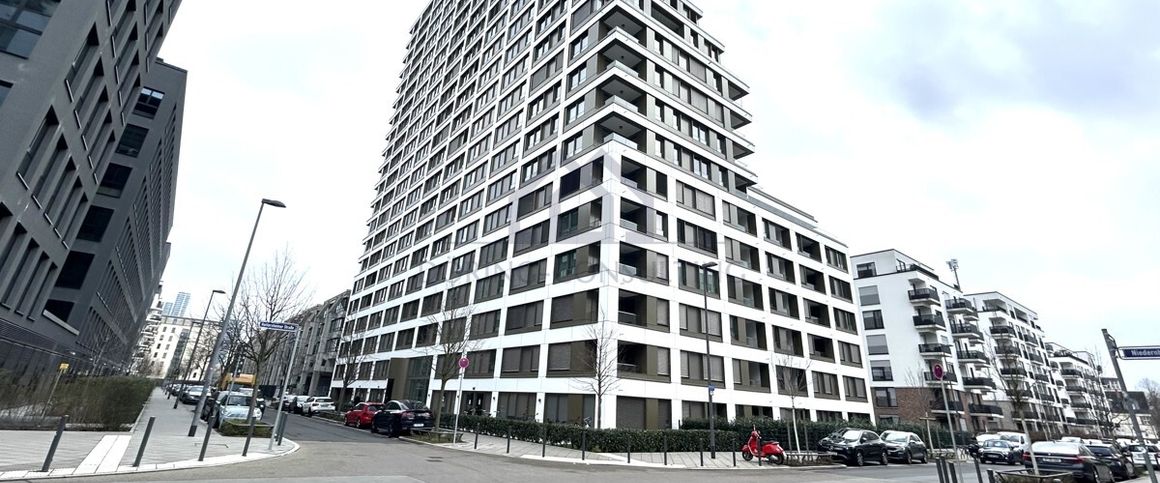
[
  {"x": 254, "y": 390},
  {"x": 439, "y": 403},
  {"x": 793, "y": 411}
]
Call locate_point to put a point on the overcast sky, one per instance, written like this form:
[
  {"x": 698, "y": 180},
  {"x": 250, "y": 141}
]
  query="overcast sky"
[{"x": 1019, "y": 137}]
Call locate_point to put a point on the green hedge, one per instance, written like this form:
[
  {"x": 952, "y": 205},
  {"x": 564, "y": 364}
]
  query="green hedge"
[
  {"x": 239, "y": 427},
  {"x": 809, "y": 432},
  {"x": 693, "y": 435},
  {"x": 107, "y": 403},
  {"x": 598, "y": 440}
]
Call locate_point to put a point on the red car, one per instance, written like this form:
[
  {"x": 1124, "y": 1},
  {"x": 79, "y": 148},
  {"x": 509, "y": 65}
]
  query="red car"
[{"x": 362, "y": 414}]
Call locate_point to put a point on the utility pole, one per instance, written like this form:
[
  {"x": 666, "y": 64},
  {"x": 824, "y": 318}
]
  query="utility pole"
[{"x": 1113, "y": 352}]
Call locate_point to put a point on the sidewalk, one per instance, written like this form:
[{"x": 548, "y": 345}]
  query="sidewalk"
[
  {"x": 87, "y": 453},
  {"x": 680, "y": 460}
]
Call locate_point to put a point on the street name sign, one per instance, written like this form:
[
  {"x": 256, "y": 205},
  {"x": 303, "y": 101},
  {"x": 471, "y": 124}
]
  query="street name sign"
[
  {"x": 282, "y": 326},
  {"x": 1140, "y": 352}
]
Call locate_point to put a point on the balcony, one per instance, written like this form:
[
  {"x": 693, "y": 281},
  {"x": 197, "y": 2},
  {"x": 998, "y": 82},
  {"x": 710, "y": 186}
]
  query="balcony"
[
  {"x": 929, "y": 322},
  {"x": 941, "y": 407},
  {"x": 962, "y": 306},
  {"x": 972, "y": 356},
  {"x": 1035, "y": 357},
  {"x": 934, "y": 350},
  {"x": 947, "y": 377},
  {"x": 970, "y": 331},
  {"x": 1043, "y": 377},
  {"x": 1072, "y": 373},
  {"x": 1002, "y": 331},
  {"x": 1013, "y": 371},
  {"x": 1086, "y": 422},
  {"x": 924, "y": 296},
  {"x": 1008, "y": 351},
  {"x": 1076, "y": 389},
  {"x": 978, "y": 383},
  {"x": 990, "y": 409}
]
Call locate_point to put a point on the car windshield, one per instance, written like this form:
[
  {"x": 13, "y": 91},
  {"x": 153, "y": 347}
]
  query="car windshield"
[
  {"x": 414, "y": 405},
  {"x": 237, "y": 400},
  {"x": 896, "y": 437},
  {"x": 1011, "y": 437},
  {"x": 1101, "y": 450},
  {"x": 995, "y": 443},
  {"x": 1136, "y": 448},
  {"x": 374, "y": 407},
  {"x": 850, "y": 435}
]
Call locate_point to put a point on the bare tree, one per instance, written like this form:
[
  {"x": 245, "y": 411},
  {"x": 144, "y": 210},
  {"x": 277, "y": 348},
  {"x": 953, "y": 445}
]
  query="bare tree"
[
  {"x": 273, "y": 294},
  {"x": 1101, "y": 404},
  {"x": 1012, "y": 381},
  {"x": 793, "y": 381},
  {"x": 1152, "y": 397},
  {"x": 600, "y": 364},
  {"x": 923, "y": 394},
  {"x": 451, "y": 340},
  {"x": 352, "y": 355}
]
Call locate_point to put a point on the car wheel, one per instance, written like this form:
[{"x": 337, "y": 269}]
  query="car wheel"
[
  {"x": 884, "y": 460},
  {"x": 859, "y": 460},
  {"x": 909, "y": 458}
]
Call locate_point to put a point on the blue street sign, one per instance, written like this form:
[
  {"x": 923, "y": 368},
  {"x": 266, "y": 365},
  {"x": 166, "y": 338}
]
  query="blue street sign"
[
  {"x": 712, "y": 388},
  {"x": 1140, "y": 352},
  {"x": 284, "y": 327}
]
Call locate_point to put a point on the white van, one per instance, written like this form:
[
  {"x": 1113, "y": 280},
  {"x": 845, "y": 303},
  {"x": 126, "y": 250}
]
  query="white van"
[{"x": 1021, "y": 439}]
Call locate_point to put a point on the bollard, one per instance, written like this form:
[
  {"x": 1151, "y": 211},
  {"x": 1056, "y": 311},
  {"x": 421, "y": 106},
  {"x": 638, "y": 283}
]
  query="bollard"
[
  {"x": 938, "y": 465},
  {"x": 954, "y": 474},
  {"x": 584, "y": 445},
  {"x": 701, "y": 447},
  {"x": 978, "y": 470},
  {"x": 208, "y": 431},
  {"x": 509, "y": 439},
  {"x": 55, "y": 442},
  {"x": 665, "y": 446},
  {"x": 544, "y": 444},
  {"x": 281, "y": 429},
  {"x": 144, "y": 441},
  {"x": 734, "y": 453},
  {"x": 991, "y": 476},
  {"x": 249, "y": 435},
  {"x": 630, "y": 451},
  {"x": 476, "y": 437}
]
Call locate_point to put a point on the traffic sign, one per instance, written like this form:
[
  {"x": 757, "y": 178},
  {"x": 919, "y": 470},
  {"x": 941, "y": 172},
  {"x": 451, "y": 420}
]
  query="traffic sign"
[
  {"x": 712, "y": 388},
  {"x": 1140, "y": 352},
  {"x": 282, "y": 326},
  {"x": 937, "y": 371},
  {"x": 63, "y": 367},
  {"x": 463, "y": 362}
]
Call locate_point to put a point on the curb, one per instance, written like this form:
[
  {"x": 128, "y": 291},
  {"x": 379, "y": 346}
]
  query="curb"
[
  {"x": 591, "y": 462},
  {"x": 148, "y": 468}
]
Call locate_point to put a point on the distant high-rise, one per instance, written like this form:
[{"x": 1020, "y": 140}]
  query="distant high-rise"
[
  {"x": 179, "y": 305},
  {"x": 564, "y": 181},
  {"x": 90, "y": 125}
]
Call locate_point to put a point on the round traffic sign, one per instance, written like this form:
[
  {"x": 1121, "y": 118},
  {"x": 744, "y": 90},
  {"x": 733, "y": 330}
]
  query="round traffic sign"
[
  {"x": 463, "y": 362},
  {"x": 937, "y": 371}
]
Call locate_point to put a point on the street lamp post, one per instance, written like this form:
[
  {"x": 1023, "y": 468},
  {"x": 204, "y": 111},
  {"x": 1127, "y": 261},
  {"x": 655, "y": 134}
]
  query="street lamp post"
[
  {"x": 197, "y": 341},
  {"x": 217, "y": 347},
  {"x": 708, "y": 362}
]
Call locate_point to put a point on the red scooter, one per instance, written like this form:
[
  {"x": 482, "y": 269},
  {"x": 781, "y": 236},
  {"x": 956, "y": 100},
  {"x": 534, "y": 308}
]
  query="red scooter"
[{"x": 770, "y": 450}]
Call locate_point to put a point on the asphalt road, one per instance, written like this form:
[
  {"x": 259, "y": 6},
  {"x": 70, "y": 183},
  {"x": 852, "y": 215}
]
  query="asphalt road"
[{"x": 333, "y": 453}]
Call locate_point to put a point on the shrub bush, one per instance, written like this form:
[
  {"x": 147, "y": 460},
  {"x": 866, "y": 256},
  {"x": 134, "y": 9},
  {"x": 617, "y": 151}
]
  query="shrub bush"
[
  {"x": 331, "y": 415},
  {"x": 105, "y": 403},
  {"x": 239, "y": 427},
  {"x": 810, "y": 432},
  {"x": 599, "y": 440}
]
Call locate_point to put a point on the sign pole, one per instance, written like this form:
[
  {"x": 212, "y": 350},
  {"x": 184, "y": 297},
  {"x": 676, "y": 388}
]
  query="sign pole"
[
  {"x": 282, "y": 393},
  {"x": 463, "y": 363},
  {"x": 1113, "y": 353}
]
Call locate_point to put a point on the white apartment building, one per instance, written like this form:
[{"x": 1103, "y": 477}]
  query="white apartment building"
[
  {"x": 1086, "y": 408},
  {"x": 558, "y": 173},
  {"x": 914, "y": 321},
  {"x": 1121, "y": 418},
  {"x": 168, "y": 342}
]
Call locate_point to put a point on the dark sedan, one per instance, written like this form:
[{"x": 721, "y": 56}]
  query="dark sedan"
[
  {"x": 904, "y": 446},
  {"x": 401, "y": 416},
  {"x": 1000, "y": 451},
  {"x": 1074, "y": 458},
  {"x": 855, "y": 446},
  {"x": 1120, "y": 464}
]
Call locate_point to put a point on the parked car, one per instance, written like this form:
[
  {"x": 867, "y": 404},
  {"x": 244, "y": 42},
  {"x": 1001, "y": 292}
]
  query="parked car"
[
  {"x": 904, "y": 446},
  {"x": 855, "y": 446},
  {"x": 362, "y": 414},
  {"x": 233, "y": 405},
  {"x": 1074, "y": 458},
  {"x": 191, "y": 394},
  {"x": 1000, "y": 451},
  {"x": 400, "y": 416},
  {"x": 977, "y": 443},
  {"x": 314, "y": 404},
  {"x": 1137, "y": 450},
  {"x": 298, "y": 403},
  {"x": 1118, "y": 460},
  {"x": 250, "y": 392}
]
